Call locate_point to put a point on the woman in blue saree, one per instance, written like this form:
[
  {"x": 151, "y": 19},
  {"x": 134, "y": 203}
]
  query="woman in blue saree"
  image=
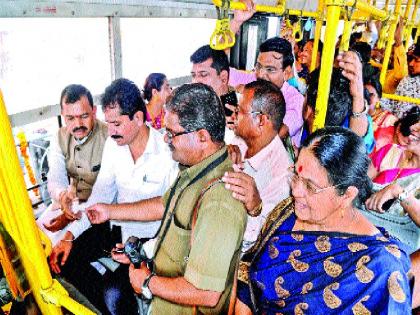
[{"x": 316, "y": 253}]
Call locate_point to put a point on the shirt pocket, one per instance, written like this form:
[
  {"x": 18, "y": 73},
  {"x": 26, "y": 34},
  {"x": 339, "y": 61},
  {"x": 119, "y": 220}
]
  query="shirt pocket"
[{"x": 176, "y": 246}]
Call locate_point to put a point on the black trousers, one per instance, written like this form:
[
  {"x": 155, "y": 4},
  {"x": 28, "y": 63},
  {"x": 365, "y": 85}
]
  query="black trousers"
[{"x": 87, "y": 248}]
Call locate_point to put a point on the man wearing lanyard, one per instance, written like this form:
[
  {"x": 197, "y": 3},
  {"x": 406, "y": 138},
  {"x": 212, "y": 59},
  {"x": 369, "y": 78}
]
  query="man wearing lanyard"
[{"x": 199, "y": 242}]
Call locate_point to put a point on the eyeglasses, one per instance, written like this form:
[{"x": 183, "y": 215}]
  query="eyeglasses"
[
  {"x": 237, "y": 111},
  {"x": 269, "y": 69},
  {"x": 171, "y": 135},
  {"x": 309, "y": 186}
]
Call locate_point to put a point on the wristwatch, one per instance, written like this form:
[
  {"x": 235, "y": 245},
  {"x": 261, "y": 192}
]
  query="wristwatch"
[{"x": 146, "y": 294}]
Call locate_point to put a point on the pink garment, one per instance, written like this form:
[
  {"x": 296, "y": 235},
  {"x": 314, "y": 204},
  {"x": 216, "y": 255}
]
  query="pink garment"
[
  {"x": 294, "y": 102},
  {"x": 270, "y": 170},
  {"x": 238, "y": 77},
  {"x": 385, "y": 160}
]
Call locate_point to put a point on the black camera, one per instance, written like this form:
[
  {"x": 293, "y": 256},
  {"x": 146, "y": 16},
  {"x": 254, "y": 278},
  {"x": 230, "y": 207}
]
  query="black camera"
[{"x": 134, "y": 250}]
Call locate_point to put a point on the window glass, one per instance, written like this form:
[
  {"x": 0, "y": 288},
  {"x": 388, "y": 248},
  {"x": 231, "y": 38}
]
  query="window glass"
[
  {"x": 40, "y": 56},
  {"x": 161, "y": 45}
]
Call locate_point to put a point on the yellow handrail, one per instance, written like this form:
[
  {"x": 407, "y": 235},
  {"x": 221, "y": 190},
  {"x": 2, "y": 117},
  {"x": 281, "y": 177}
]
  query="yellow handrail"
[
  {"x": 345, "y": 38},
  {"x": 365, "y": 7},
  {"x": 18, "y": 219},
  {"x": 402, "y": 98},
  {"x": 390, "y": 41},
  {"x": 410, "y": 25},
  {"x": 318, "y": 27},
  {"x": 333, "y": 17},
  {"x": 407, "y": 9}
]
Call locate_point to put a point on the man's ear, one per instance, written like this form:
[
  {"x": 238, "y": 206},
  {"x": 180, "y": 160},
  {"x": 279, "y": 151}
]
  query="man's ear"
[
  {"x": 263, "y": 119},
  {"x": 138, "y": 118},
  {"x": 203, "y": 135},
  {"x": 224, "y": 75},
  {"x": 94, "y": 109}
]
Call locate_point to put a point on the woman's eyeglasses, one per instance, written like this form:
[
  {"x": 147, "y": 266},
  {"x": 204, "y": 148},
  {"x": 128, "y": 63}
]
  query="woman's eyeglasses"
[{"x": 308, "y": 185}]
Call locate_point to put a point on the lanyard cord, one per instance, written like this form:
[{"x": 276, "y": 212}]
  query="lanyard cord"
[{"x": 200, "y": 175}]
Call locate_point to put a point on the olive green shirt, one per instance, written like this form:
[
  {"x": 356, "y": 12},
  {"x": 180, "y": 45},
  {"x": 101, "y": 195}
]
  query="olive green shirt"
[{"x": 210, "y": 263}]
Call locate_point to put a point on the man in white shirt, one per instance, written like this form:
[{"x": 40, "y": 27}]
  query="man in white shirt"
[
  {"x": 136, "y": 165},
  {"x": 258, "y": 119}
]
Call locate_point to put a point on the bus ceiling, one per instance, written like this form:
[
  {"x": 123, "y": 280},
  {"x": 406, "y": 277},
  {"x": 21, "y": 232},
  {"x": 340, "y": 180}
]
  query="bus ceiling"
[{"x": 147, "y": 8}]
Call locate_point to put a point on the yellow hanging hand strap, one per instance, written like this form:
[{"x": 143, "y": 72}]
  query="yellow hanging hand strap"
[
  {"x": 297, "y": 31},
  {"x": 222, "y": 37}
]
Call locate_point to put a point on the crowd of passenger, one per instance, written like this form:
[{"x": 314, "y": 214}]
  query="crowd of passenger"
[{"x": 245, "y": 208}]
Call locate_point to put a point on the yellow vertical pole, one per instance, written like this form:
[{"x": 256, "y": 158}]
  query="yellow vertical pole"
[
  {"x": 411, "y": 24},
  {"x": 390, "y": 41},
  {"x": 345, "y": 38},
  {"x": 386, "y": 5},
  {"x": 407, "y": 9},
  {"x": 20, "y": 220},
  {"x": 333, "y": 17},
  {"x": 318, "y": 27}
]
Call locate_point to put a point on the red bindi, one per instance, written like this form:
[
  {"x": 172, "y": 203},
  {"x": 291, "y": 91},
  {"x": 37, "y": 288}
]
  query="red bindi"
[{"x": 300, "y": 169}]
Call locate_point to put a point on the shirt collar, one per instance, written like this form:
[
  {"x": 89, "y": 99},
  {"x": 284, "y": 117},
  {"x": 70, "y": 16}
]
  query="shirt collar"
[
  {"x": 194, "y": 170},
  {"x": 264, "y": 155},
  {"x": 152, "y": 146}
]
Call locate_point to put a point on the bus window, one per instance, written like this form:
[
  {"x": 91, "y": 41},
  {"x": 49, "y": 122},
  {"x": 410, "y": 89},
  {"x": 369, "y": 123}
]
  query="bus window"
[
  {"x": 161, "y": 45},
  {"x": 40, "y": 56}
]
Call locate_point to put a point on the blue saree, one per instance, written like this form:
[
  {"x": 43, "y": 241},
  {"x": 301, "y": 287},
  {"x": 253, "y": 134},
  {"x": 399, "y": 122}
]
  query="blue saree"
[{"x": 301, "y": 272}]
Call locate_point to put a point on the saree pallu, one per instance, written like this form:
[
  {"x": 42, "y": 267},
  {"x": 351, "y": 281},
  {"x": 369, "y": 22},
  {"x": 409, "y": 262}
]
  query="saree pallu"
[
  {"x": 301, "y": 272},
  {"x": 386, "y": 161}
]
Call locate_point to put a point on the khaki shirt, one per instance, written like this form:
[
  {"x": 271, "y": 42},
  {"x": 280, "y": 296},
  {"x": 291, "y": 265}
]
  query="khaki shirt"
[{"x": 210, "y": 263}]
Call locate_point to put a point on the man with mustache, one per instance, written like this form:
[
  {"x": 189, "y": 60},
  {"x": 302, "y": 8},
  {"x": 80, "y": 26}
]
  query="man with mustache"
[
  {"x": 202, "y": 224},
  {"x": 74, "y": 158},
  {"x": 136, "y": 165}
]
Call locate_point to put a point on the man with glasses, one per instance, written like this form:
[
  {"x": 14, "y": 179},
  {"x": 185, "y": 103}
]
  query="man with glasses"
[
  {"x": 136, "y": 165},
  {"x": 275, "y": 58},
  {"x": 258, "y": 120},
  {"x": 199, "y": 242}
]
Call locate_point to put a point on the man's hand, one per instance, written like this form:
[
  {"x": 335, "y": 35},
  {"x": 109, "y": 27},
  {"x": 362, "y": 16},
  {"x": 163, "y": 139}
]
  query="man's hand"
[
  {"x": 118, "y": 254},
  {"x": 60, "y": 253},
  {"x": 352, "y": 69},
  {"x": 243, "y": 188},
  {"x": 98, "y": 213},
  {"x": 66, "y": 201},
  {"x": 58, "y": 223},
  {"x": 376, "y": 201},
  {"x": 235, "y": 154},
  {"x": 398, "y": 36},
  {"x": 137, "y": 276},
  {"x": 240, "y": 16}
]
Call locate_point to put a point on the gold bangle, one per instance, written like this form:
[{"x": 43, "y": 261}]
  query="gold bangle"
[
  {"x": 256, "y": 211},
  {"x": 68, "y": 240}
]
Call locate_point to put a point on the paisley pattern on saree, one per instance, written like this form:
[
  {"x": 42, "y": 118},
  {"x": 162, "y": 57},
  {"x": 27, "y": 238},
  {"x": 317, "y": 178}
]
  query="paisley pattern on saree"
[{"x": 323, "y": 273}]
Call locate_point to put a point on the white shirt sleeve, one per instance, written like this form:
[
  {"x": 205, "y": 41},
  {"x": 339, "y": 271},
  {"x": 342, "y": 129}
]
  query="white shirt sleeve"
[
  {"x": 104, "y": 190},
  {"x": 57, "y": 174}
]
